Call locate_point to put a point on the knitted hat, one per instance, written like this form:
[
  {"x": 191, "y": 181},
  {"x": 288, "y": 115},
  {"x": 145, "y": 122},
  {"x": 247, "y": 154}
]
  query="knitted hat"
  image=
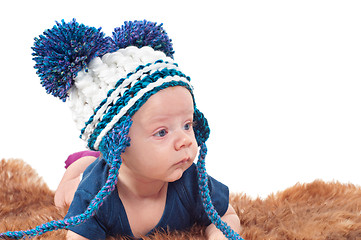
[{"x": 106, "y": 80}]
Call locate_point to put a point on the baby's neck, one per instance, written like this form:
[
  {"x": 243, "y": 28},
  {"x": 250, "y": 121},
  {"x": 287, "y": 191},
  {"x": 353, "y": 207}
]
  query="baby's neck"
[{"x": 133, "y": 186}]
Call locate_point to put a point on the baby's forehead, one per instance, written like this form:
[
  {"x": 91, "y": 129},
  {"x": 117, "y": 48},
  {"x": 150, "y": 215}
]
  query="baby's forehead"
[
  {"x": 177, "y": 95},
  {"x": 168, "y": 102}
]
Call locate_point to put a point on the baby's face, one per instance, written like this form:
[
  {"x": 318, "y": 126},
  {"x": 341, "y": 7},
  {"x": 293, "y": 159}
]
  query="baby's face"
[{"x": 163, "y": 144}]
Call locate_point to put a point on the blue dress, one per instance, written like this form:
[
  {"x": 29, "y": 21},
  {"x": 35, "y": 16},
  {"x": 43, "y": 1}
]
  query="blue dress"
[{"x": 182, "y": 210}]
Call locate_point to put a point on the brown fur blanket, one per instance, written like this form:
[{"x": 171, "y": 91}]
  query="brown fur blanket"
[{"x": 316, "y": 210}]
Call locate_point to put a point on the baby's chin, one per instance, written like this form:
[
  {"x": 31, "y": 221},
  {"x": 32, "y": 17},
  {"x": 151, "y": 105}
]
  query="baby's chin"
[{"x": 177, "y": 173}]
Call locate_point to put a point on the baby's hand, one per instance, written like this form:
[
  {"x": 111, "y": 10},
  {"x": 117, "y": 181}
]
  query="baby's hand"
[
  {"x": 231, "y": 218},
  {"x": 216, "y": 235}
]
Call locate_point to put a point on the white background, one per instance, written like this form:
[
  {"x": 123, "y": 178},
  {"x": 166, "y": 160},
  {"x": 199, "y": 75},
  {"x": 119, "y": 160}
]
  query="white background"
[{"x": 279, "y": 82}]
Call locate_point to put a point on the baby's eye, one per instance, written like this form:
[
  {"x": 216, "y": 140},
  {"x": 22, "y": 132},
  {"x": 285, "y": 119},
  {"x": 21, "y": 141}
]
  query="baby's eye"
[
  {"x": 188, "y": 126},
  {"x": 161, "y": 133}
]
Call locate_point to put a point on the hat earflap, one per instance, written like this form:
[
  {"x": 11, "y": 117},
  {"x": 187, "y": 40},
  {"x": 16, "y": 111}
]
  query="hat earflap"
[
  {"x": 116, "y": 140},
  {"x": 61, "y": 52},
  {"x": 201, "y": 127}
]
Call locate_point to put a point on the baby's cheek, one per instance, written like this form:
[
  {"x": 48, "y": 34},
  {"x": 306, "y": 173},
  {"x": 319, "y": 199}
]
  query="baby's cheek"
[{"x": 194, "y": 151}]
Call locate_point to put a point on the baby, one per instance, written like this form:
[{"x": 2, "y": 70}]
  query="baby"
[
  {"x": 157, "y": 167},
  {"x": 134, "y": 105}
]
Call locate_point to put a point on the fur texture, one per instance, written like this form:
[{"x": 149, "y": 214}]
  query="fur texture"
[{"x": 316, "y": 211}]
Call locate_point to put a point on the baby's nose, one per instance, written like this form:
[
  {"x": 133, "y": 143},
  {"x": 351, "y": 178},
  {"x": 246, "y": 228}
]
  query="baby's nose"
[{"x": 183, "y": 140}]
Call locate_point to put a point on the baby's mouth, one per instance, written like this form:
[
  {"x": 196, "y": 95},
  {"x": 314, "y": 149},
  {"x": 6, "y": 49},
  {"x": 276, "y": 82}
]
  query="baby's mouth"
[{"x": 183, "y": 161}]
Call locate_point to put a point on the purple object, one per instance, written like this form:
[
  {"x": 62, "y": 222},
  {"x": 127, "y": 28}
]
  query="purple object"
[{"x": 75, "y": 156}]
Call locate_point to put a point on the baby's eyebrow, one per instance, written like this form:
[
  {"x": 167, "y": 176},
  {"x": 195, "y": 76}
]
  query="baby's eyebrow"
[
  {"x": 159, "y": 118},
  {"x": 165, "y": 117}
]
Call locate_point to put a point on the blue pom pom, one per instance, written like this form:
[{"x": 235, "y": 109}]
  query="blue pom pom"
[
  {"x": 61, "y": 52},
  {"x": 143, "y": 33}
]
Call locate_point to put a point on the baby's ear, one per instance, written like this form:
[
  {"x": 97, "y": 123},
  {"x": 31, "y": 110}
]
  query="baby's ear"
[{"x": 61, "y": 52}]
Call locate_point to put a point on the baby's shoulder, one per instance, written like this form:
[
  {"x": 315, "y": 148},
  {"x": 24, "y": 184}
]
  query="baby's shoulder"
[{"x": 94, "y": 177}]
